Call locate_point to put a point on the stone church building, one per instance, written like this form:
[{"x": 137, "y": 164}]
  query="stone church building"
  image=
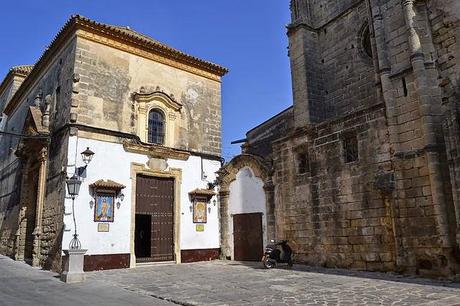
[
  {"x": 151, "y": 115},
  {"x": 363, "y": 171}
]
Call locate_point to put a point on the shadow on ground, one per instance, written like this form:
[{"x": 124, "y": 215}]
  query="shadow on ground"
[{"x": 389, "y": 276}]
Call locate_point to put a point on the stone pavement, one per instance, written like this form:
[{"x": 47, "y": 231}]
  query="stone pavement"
[
  {"x": 231, "y": 283},
  {"x": 220, "y": 283},
  {"x": 22, "y": 285}
]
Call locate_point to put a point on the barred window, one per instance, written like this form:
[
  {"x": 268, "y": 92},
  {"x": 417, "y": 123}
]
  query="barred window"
[
  {"x": 350, "y": 148},
  {"x": 156, "y": 127}
]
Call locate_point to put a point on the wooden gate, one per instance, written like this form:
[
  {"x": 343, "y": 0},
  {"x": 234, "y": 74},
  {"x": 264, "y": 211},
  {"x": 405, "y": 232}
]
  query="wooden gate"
[
  {"x": 247, "y": 237},
  {"x": 154, "y": 219}
]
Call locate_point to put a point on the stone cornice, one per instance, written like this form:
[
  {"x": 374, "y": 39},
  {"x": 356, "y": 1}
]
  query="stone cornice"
[
  {"x": 127, "y": 40},
  {"x": 153, "y": 150},
  {"x": 17, "y": 71}
]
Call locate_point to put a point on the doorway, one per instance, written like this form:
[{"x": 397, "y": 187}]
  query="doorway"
[
  {"x": 143, "y": 236},
  {"x": 154, "y": 227},
  {"x": 248, "y": 237}
]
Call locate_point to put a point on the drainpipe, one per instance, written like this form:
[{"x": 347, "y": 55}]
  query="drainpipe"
[{"x": 428, "y": 99}]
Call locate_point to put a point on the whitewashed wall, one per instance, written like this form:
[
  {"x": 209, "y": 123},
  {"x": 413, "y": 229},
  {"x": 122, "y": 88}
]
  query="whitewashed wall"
[
  {"x": 112, "y": 162},
  {"x": 247, "y": 195}
]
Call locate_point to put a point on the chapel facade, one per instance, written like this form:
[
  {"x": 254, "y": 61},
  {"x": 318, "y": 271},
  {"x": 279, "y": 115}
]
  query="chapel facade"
[
  {"x": 148, "y": 116},
  {"x": 362, "y": 172}
]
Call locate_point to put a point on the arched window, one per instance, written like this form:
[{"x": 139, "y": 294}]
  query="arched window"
[{"x": 156, "y": 127}]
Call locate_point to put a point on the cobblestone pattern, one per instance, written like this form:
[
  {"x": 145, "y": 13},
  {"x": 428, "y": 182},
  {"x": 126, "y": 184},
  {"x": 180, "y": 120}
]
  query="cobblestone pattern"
[
  {"x": 27, "y": 286},
  {"x": 230, "y": 283}
]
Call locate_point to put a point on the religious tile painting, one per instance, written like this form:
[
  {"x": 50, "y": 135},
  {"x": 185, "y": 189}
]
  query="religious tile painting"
[
  {"x": 199, "y": 212},
  {"x": 104, "y": 208}
]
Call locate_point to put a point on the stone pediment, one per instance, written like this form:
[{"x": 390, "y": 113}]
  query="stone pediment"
[{"x": 146, "y": 95}]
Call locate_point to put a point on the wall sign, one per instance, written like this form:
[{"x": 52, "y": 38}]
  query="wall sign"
[{"x": 103, "y": 227}]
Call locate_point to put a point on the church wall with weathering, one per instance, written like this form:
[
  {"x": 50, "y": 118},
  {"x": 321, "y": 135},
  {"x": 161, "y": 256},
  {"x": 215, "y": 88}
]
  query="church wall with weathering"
[
  {"x": 18, "y": 182},
  {"x": 109, "y": 77},
  {"x": 394, "y": 206},
  {"x": 394, "y": 108}
]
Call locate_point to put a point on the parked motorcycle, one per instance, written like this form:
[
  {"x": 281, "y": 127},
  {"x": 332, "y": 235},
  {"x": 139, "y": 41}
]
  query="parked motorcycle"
[{"x": 277, "y": 252}]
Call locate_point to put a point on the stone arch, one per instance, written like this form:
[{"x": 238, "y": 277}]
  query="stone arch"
[{"x": 229, "y": 175}]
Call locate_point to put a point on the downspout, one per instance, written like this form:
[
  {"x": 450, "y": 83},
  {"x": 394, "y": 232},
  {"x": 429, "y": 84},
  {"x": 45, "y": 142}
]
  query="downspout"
[{"x": 427, "y": 100}]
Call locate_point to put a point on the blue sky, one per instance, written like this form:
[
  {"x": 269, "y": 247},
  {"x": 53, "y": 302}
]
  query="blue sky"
[{"x": 247, "y": 36}]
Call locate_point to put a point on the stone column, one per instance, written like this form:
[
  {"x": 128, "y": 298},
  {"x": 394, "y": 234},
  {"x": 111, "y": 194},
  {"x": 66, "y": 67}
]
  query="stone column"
[
  {"x": 39, "y": 207},
  {"x": 269, "y": 189},
  {"x": 224, "y": 224},
  {"x": 430, "y": 111}
]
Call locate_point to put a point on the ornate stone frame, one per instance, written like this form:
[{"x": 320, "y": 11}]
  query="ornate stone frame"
[
  {"x": 173, "y": 173},
  {"x": 147, "y": 100},
  {"x": 226, "y": 175}
]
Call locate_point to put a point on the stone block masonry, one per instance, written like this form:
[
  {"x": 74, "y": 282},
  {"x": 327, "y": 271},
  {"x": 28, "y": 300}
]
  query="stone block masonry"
[{"x": 368, "y": 177}]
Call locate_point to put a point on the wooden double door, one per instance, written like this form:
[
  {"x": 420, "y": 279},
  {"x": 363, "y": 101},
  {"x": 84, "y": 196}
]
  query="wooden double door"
[
  {"x": 248, "y": 237},
  {"x": 154, "y": 227}
]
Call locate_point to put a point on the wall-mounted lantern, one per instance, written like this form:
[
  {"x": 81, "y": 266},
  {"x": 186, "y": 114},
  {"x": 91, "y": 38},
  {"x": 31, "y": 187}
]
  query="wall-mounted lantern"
[{"x": 87, "y": 155}]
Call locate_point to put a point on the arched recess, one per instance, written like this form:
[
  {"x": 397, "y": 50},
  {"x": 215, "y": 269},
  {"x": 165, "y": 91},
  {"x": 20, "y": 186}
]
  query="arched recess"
[{"x": 243, "y": 173}]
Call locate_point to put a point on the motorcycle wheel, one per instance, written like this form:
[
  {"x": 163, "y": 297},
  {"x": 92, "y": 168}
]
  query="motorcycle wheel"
[{"x": 269, "y": 263}]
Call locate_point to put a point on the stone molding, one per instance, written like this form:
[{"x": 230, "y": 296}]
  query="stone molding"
[{"x": 155, "y": 151}]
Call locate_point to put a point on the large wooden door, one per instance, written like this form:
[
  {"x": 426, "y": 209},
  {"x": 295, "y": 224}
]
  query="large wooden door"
[
  {"x": 247, "y": 237},
  {"x": 154, "y": 213}
]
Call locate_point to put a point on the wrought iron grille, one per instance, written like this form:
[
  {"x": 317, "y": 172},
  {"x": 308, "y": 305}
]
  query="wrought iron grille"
[{"x": 156, "y": 127}]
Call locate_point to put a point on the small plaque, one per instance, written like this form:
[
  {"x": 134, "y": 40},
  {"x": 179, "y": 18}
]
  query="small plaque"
[
  {"x": 200, "y": 227},
  {"x": 103, "y": 227}
]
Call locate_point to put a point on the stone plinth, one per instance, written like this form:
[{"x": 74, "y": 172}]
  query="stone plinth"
[{"x": 73, "y": 269}]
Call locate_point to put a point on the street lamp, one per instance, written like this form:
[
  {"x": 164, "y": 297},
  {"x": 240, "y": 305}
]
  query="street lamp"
[
  {"x": 87, "y": 155},
  {"x": 73, "y": 269},
  {"x": 73, "y": 187}
]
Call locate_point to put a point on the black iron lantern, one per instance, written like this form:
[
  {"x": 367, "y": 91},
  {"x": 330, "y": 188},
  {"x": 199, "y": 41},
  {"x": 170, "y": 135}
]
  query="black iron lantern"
[
  {"x": 87, "y": 155},
  {"x": 73, "y": 186}
]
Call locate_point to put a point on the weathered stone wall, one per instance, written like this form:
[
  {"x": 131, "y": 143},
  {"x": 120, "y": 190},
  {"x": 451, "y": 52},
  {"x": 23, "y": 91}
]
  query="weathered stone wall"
[
  {"x": 9, "y": 91},
  {"x": 259, "y": 139},
  {"x": 333, "y": 214},
  {"x": 331, "y": 72},
  {"x": 353, "y": 214},
  {"x": 55, "y": 82},
  {"x": 109, "y": 77}
]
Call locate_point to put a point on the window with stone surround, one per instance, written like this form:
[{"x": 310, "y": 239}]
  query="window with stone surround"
[
  {"x": 365, "y": 43},
  {"x": 350, "y": 147},
  {"x": 157, "y": 116},
  {"x": 156, "y": 127}
]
